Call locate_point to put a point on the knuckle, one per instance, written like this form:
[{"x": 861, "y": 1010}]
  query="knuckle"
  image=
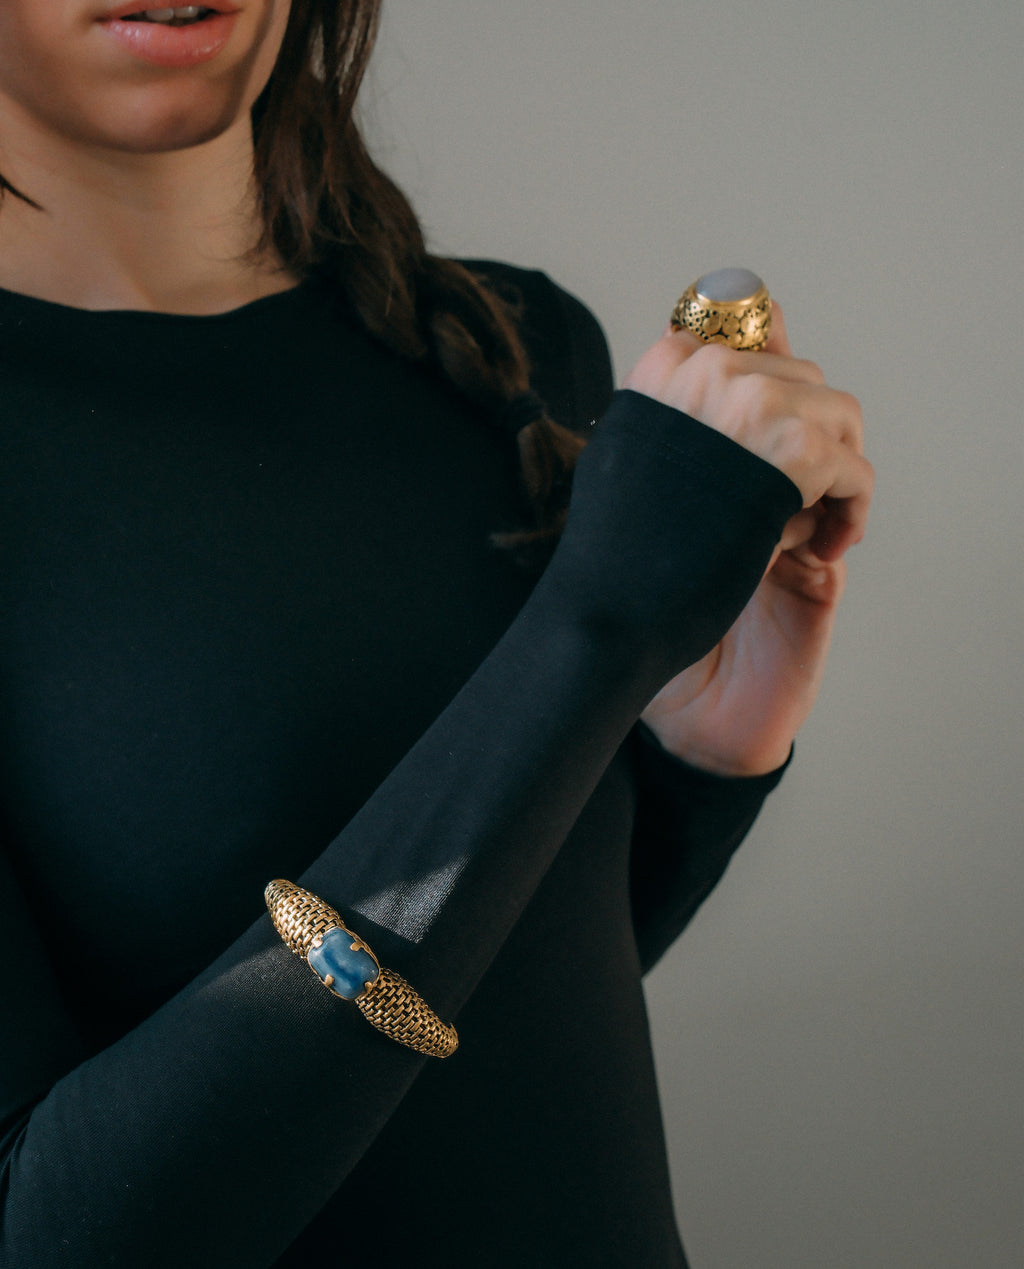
[
  {"x": 854, "y": 417},
  {"x": 700, "y": 377},
  {"x": 714, "y": 360},
  {"x": 653, "y": 368},
  {"x": 813, "y": 372},
  {"x": 851, "y": 405},
  {"x": 759, "y": 395},
  {"x": 796, "y": 448}
]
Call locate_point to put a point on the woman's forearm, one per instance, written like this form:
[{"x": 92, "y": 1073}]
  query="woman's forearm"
[{"x": 228, "y": 1118}]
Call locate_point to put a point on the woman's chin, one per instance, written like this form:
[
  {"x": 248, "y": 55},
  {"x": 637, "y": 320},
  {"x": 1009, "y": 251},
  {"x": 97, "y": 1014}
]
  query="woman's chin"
[
  {"x": 170, "y": 136},
  {"x": 160, "y": 126}
]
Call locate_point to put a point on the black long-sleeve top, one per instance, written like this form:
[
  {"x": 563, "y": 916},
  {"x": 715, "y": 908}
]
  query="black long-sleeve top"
[{"x": 252, "y": 625}]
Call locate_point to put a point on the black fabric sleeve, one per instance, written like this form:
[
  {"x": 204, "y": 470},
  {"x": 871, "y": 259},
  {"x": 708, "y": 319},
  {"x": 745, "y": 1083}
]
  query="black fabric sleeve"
[
  {"x": 689, "y": 824},
  {"x": 228, "y": 1118}
]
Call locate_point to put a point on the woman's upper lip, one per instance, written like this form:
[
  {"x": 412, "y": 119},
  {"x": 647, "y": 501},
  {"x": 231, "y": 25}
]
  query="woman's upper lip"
[{"x": 134, "y": 6}]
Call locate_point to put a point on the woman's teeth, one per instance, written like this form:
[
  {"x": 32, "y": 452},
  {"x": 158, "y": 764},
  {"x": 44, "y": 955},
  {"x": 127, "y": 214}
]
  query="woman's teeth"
[{"x": 172, "y": 17}]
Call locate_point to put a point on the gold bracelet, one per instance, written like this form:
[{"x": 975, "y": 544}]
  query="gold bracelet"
[{"x": 349, "y": 969}]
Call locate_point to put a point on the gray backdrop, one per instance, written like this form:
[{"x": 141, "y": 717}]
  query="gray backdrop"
[{"x": 839, "y": 1032}]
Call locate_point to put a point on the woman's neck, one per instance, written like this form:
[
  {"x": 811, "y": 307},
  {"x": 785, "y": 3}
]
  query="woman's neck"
[{"x": 171, "y": 232}]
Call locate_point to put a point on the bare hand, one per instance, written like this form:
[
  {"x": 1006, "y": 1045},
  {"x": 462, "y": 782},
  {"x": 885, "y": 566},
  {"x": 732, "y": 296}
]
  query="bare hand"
[{"x": 737, "y": 710}]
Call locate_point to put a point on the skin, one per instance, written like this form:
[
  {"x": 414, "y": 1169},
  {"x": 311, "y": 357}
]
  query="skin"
[
  {"x": 143, "y": 171},
  {"x": 144, "y": 174},
  {"x": 737, "y": 711}
]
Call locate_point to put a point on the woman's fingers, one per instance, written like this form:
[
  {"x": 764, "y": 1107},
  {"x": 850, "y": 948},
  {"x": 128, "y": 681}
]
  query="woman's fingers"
[
  {"x": 802, "y": 573},
  {"x": 781, "y": 409},
  {"x": 846, "y": 514},
  {"x": 676, "y": 347},
  {"x": 778, "y": 339},
  {"x": 752, "y": 408},
  {"x": 800, "y": 530},
  {"x": 831, "y": 474}
]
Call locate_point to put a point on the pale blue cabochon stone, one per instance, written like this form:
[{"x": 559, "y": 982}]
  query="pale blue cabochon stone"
[
  {"x": 352, "y": 969},
  {"x": 728, "y": 285}
]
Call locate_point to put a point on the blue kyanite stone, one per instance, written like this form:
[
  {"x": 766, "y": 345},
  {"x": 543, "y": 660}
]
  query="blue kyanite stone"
[{"x": 350, "y": 969}]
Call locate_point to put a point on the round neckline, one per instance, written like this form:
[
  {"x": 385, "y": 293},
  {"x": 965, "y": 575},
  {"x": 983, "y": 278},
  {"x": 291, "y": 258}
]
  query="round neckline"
[{"x": 250, "y": 308}]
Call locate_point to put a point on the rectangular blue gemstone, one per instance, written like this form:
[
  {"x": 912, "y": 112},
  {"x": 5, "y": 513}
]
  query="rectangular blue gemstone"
[{"x": 351, "y": 968}]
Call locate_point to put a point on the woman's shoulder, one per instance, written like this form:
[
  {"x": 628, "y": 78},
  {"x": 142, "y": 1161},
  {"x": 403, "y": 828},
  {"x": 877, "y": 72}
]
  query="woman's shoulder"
[{"x": 570, "y": 363}]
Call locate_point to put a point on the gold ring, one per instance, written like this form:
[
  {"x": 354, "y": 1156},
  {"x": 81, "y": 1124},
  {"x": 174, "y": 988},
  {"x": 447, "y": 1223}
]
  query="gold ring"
[{"x": 728, "y": 306}]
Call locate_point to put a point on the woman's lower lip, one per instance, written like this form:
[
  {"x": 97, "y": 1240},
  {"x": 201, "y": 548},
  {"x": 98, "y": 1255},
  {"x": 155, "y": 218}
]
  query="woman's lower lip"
[{"x": 179, "y": 46}]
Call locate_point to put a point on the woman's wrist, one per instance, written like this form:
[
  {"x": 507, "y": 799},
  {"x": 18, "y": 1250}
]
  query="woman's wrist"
[
  {"x": 671, "y": 527},
  {"x": 764, "y": 763}
]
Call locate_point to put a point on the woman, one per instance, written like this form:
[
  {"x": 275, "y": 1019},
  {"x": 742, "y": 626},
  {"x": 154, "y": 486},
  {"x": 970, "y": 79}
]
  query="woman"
[{"x": 258, "y": 447}]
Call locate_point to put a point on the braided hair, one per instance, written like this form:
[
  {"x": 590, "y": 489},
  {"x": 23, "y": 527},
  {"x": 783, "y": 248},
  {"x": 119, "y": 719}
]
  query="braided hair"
[{"x": 326, "y": 207}]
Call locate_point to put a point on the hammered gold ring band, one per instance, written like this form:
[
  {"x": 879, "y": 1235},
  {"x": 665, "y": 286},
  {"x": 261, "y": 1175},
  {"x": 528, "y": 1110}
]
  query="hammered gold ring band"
[
  {"x": 313, "y": 930},
  {"x": 727, "y": 306}
]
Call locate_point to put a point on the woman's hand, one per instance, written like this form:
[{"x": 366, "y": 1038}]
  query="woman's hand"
[{"x": 737, "y": 710}]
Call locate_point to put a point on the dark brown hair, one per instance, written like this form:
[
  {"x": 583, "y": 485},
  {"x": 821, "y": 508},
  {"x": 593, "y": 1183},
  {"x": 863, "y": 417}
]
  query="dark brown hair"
[{"x": 328, "y": 208}]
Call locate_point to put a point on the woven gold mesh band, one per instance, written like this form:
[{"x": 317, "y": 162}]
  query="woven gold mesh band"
[
  {"x": 389, "y": 1003},
  {"x": 393, "y": 1007}
]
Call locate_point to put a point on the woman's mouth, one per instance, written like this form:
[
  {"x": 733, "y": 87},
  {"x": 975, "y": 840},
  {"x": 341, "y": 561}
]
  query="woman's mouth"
[
  {"x": 180, "y": 37},
  {"x": 184, "y": 16}
]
